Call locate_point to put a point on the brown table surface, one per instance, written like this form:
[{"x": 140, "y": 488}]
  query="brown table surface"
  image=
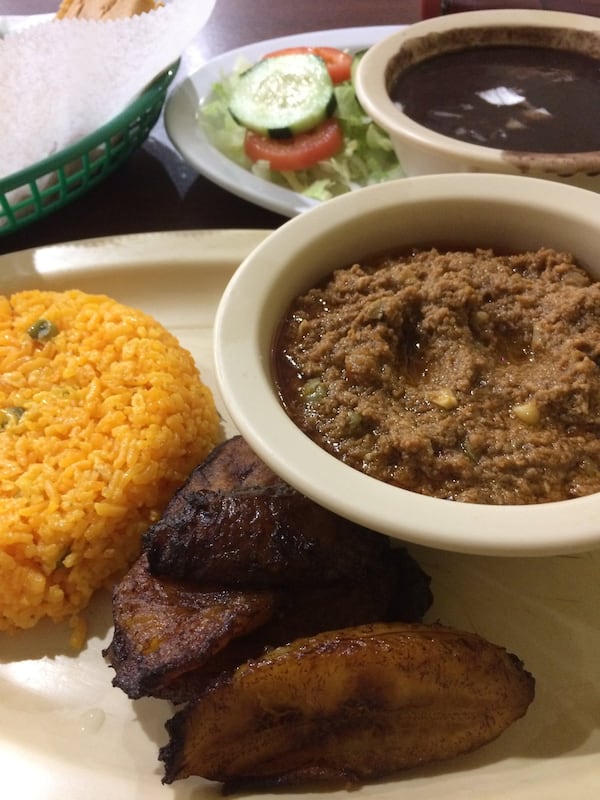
[{"x": 155, "y": 189}]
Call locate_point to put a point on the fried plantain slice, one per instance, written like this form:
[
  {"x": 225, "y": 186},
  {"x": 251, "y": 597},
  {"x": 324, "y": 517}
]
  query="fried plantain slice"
[
  {"x": 173, "y": 635},
  {"x": 301, "y": 613},
  {"x": 164, "y": 629},
  {"x": 398, "y": 591},
  {"x": 288, "y": 540},
  {"x": 178, "y": 670},
  {"x": 352, "y": 705},
  {"x": 230, "y": 465},
  {"x": 195, "y": 623}
]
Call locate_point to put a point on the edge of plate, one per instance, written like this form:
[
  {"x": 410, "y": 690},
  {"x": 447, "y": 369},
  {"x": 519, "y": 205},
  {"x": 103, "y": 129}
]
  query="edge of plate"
[{"x": 34, "y": 267}]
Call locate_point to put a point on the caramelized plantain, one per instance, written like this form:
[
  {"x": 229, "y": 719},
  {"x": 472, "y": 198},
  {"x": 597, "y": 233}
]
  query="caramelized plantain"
[
  {"x": 171, "y": 639},
  {"x": 231, "y": 465},
  {"x": 397, "y": 591},
  {"x": 172, "y": 635},
  {"x": 164, "y": 629},
  {"x": 239, "y": 564},
  {"x": 350, "y": 705},
  {"x": 288, "y": 540}
]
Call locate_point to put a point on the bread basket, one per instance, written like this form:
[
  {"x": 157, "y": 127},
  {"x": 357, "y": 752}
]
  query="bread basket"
[{"x": 48, "y": 185}]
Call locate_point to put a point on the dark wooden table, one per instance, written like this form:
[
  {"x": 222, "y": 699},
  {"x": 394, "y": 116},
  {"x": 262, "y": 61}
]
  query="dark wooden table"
[{"x": 155, "y": 190}]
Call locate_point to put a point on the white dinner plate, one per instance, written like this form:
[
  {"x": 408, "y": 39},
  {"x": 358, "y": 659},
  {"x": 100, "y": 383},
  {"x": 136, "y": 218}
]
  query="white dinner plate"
[
  {"x": 65, "y": 732},
  {"x": 187, "y": 135}
]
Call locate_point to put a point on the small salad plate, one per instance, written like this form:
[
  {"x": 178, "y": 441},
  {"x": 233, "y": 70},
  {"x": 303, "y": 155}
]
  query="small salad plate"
[{"x": 191, "y": 139}]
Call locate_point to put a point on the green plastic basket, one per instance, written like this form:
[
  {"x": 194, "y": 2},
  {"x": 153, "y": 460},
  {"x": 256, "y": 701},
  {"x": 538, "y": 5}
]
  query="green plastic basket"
[{"x": 32, "y": 193}]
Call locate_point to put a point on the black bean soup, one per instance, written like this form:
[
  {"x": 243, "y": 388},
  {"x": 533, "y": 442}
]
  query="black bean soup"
[{"x": 512, "y": 97}]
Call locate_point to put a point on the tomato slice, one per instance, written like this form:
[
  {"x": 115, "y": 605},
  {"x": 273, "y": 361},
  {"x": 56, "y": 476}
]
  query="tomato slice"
[
  {"x": 301, "y": 151},
  {"x": 339, "y": 63}
]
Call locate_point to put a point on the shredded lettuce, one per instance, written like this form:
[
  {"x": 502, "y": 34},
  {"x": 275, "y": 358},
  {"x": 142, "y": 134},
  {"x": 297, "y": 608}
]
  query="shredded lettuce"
[{"x": 367, "y": 157}]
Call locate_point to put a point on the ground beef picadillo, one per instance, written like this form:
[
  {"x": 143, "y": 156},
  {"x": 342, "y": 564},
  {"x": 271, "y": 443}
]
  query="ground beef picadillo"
[{"x": 468, "y": 376}]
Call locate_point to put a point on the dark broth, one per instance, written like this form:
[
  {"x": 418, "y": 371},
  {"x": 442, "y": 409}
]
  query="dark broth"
[{"x": 523, "y": 98}]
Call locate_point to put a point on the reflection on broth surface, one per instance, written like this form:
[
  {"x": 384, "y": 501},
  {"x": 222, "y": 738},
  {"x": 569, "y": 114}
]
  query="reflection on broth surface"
[{"x": 524, "y": 98}]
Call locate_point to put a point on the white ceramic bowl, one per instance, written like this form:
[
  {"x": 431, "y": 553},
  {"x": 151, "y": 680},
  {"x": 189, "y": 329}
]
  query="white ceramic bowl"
[
  {"x": 464, "y": 211},
  {"x": 423, "y": 151}
]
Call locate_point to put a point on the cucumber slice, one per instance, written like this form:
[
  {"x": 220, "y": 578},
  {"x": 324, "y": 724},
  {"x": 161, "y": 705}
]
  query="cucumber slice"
[{"x": 283, "y": 95}]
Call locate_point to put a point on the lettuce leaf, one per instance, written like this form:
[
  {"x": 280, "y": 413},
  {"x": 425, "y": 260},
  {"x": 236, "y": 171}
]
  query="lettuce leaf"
[{"x": 367, "y": 157}]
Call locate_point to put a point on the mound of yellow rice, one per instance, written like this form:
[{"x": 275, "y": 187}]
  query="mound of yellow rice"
[{"x": 102, "y": 417}]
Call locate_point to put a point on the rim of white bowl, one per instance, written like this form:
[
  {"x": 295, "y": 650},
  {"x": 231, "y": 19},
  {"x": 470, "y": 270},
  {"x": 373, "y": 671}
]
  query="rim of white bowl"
[
  {"x": 243, "y": 371},
  {"x": 373, "y": 95}
]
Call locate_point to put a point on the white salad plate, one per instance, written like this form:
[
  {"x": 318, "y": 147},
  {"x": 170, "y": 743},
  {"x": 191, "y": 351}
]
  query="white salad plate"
[
  {"x": 65, "y": 732},
  {"x": 187, "y": 135}
]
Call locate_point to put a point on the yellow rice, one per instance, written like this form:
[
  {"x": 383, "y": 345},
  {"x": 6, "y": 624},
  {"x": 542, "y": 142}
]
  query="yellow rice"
[{"x": 100, "y": 422}]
